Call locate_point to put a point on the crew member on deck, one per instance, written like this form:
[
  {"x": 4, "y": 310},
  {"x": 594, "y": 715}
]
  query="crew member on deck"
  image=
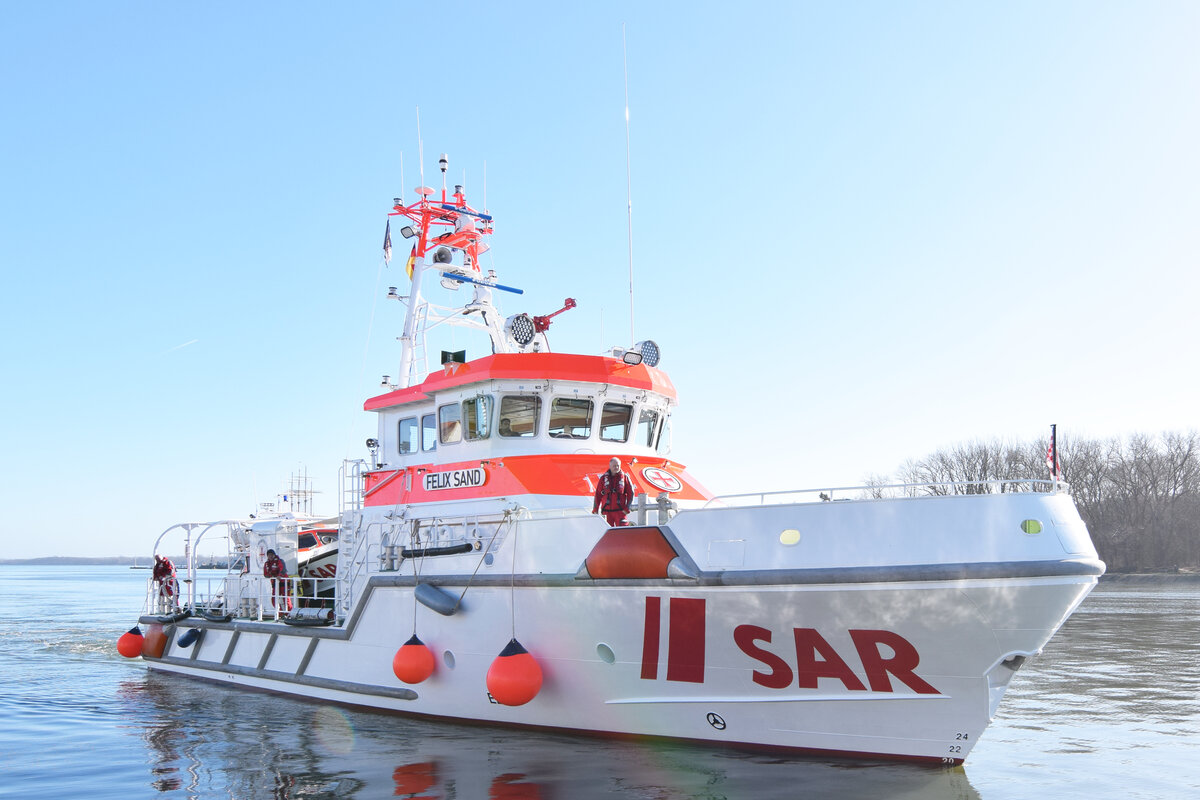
[
  {"x": 276, "y": 570},
  {"x": 164, "y": 578},
  {"x": 614, "y": 494}
]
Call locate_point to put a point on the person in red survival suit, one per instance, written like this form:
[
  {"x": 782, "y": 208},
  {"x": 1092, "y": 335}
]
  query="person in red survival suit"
[
  {"x": 614, "y": 494},
  {"x": 275, "y": 569},
  {"x": 164, "y": 577}
]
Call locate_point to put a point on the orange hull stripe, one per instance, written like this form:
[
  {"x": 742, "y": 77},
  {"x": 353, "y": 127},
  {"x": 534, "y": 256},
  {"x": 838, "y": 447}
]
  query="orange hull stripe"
[{"x": 564, "y": 475}]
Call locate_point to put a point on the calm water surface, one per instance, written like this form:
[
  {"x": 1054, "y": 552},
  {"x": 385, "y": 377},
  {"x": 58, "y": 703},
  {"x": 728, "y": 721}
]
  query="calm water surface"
[{"x": 1110, "y": 710}]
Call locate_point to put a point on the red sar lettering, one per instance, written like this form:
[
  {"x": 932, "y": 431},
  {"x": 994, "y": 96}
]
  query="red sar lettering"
[{"x": 810, "y": 645}]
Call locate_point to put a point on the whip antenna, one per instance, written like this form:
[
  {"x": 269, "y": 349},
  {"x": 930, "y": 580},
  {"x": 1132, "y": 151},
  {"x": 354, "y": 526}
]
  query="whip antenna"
[
  {"x": 420, "y": 148},
  {"x": 628, "y": 178}
]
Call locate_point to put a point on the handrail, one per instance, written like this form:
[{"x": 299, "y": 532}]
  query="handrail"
[
  {"x": 385, "y": 482},
  {"x": 191, "y": 563},
  {"x": 156, "y": 594},
  {"x": 267, "y": 601},
  {"x": 350, "y": 478},
  {"x": 910, "y": 490},
  {"x": 357, "y": 562}
]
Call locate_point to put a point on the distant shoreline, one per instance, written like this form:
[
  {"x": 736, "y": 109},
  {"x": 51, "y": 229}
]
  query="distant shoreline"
[
  {"x": 83, "y": 561},
  {"x": 73, "y": 561},
  {"x": 1150, "y": 578}
]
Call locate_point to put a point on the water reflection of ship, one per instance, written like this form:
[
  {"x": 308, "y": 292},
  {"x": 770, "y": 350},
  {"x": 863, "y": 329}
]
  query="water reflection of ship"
[
  {"x": 211, "y": 742},
  {"x": 429, "y": 779}
]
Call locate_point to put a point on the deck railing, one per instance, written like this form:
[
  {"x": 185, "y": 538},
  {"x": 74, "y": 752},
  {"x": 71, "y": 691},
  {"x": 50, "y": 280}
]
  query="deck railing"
[
  {"x": 243, "y": 596},
  {"x": 890, "y": 491}
]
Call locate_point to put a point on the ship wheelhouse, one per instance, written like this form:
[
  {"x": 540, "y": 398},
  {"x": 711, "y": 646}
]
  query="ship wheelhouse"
[{"x": 529, "y": 424}]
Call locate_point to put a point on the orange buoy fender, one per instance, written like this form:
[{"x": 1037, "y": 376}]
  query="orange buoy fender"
[
  {"x": 130, "y": 643},
  {"x": 413, "y": 662},
  {"x": 155, "y": 642},
  {"x": 514, "y": 677}
]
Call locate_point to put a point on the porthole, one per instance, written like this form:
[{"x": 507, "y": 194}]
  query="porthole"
[
  {"x": 789, "y": 537},
  {"x": 606, "y": 654},
  {"x": 448, "y": 659},
  {"x": 1031, "y": 526}
]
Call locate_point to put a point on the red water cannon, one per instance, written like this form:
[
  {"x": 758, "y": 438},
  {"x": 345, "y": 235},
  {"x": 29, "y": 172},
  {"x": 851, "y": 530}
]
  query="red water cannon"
[{"x": 541, "y": 324}]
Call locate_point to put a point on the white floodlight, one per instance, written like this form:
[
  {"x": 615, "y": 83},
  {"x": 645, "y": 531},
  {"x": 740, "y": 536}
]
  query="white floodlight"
[
  {"x": 649, "y": 352},
  {"x": 521, "y": 328}
]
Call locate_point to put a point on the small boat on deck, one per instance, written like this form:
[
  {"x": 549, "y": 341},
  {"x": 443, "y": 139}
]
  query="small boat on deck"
[{"x": 466, "y": 576}]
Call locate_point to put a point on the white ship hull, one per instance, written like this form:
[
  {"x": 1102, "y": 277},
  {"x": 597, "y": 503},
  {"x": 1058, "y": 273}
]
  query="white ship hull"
[{"x": 893, "y": 660}]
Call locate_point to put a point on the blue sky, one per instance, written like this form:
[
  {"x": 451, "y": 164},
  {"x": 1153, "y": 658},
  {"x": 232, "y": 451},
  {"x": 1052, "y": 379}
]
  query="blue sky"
[{"x": 862, "y": 231}]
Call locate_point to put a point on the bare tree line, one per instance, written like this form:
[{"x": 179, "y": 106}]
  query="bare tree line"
[{"x": 1140, "y": 496}]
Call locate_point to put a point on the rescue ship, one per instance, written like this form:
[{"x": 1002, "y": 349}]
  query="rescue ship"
[{"x": 474, "y": 582}]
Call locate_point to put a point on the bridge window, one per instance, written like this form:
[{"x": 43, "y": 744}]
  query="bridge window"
[
  {"x": 450, "y": 423},
  {"x": 647, "y": 427},
  {"x": 519, "y": 415},
  {"x": 477, "y": 417},
  {"x": 571, "y": 418},
  {"x": 428, "y": 433},
  {"x": 615, "y": 422},
  {"x": 408, "y": 435}
]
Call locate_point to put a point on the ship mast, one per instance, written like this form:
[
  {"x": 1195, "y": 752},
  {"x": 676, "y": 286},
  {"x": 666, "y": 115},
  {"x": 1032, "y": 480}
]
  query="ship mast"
[
  {"x": 415, "y": 306},
  {"x": 447, "y": 226}
]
